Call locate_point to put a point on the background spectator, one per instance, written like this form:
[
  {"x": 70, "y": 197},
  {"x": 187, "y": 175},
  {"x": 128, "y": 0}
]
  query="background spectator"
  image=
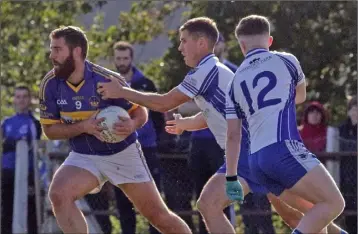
[
  {"x": 314, "y": 127},
  {"x": 147, "y": 135},
  {"x": 21, "y": 126}
]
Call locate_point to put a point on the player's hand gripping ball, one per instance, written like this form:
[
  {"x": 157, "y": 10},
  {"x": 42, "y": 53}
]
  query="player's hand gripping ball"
[{"x": 110, "y": 115}]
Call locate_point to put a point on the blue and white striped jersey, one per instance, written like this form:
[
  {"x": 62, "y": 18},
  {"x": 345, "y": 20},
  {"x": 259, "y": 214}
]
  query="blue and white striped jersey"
[
  {"x": 207, "y": 84},
  {"x": 262, "y": 93}
]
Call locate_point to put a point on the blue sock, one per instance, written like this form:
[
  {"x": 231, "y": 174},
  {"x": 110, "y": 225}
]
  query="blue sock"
[
  {"x": 343, "y": 231},
  {"x": 296, "y": 232}
]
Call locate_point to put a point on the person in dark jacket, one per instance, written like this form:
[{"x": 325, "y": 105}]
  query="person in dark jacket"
[
  {"x": 147, "y": 135},
  {"x": 21, "y": 126},
  {"x": 348, "y": 166}
]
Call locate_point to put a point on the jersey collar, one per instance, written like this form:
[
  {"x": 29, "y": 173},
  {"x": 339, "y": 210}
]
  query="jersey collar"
[
  {"x": 255, "y": 51},
  {"x": 88, "y": 70},
  {"x": 206, "y": 58}
]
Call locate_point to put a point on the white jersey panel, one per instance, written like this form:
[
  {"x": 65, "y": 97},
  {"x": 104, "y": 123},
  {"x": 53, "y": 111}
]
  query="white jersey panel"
[
  {"x": 263, "y": 93},
  {"x": 207, "y": 84}
]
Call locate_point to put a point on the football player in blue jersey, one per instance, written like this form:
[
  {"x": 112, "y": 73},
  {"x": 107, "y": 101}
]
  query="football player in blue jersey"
[
  {"x": 262, "y": 95},
  {"x": 206, "y": 83},
  {"x": 69, "y": 102}
]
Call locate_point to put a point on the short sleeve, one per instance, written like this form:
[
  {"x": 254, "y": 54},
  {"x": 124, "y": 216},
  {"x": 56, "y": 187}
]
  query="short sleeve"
[
  {"x": 198, "y": 80},
  {"x": 49, "y": 112},
  {"x": 104, "y": 75},
  {"x": 300, "y": 75},
  {"x": 128, "y": 106},
  {"x": 294, "y": 67},
  {"x": 232, "y": 110}
]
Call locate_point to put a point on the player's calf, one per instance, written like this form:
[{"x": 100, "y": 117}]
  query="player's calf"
[
  {"x": 292, "y": 207},
  {"x": 166, "y": 221},
  {"x": 318, "y": 187},
  {"x": 69, "y": 184},
  {"x": 148, "y": 202}
]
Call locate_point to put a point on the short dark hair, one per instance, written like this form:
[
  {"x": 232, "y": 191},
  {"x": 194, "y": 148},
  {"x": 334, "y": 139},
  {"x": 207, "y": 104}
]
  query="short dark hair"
[
  {"x": 74, "y": 37},
  {"x": 202, "y": 26},
  {"x": 252, "y": 25},
  {"x": 23, "y": 87},
  {"x": 124, "y": 45}
]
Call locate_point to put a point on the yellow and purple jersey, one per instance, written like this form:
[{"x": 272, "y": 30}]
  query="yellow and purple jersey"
[{"x": 62, "y": 102}]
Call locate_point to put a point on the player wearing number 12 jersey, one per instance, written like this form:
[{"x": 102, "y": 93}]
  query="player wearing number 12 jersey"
[{"x": 263, "y": 95}]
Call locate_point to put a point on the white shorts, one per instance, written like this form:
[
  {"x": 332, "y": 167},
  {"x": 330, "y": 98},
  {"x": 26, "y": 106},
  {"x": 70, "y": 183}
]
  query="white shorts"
[{"x": 127, "y": 166}]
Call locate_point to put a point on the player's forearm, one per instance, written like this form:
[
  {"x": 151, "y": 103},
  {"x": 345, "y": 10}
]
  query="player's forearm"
[
  {"x": 153, "y": 101},
  {"x": 232, "y": 153},
  {"x": 139, "y": 116},
  {"x": 63, "y": 131},
  {"x": 194, "y": 123}
]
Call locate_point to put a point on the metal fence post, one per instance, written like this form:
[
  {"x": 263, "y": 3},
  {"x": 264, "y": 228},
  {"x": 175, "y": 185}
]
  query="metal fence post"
[
  {"x": 19, "y": 223},
  {"x": 332, "y": 145}
]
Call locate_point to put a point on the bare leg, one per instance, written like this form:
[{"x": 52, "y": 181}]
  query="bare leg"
[
  {"x": 69, "y": 184},
  {"x": 318, "y": 187},
  {"x": 213, "y": 200},
  {"x": 297, "y": 205},
  {"x": 149, "y": 203}
]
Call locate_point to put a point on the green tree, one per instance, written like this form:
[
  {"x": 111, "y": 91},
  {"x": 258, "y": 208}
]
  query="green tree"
[
  {"x": 25, "y": 28},
  {"x": 321, "y": 34},
  {"x": 142, "y": 23},
  {"x": 24, "y": 47}
]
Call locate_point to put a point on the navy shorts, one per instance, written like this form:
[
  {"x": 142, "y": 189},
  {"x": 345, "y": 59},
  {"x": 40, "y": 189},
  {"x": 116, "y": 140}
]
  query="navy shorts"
[
  {"x": 281, "y": 165},
  {"x": 244, "y": 172}
]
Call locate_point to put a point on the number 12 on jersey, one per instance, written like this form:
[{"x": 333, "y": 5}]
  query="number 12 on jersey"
[{"x": 261, "y": 102}]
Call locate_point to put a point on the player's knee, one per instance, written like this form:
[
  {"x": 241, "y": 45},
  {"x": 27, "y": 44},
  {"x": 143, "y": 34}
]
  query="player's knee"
[
  {"x": 159, "y": 219},
  {"x": 338, "y": 204},
  {"x": 206, "y": 205},
  {"x": 59, "y": 197}
]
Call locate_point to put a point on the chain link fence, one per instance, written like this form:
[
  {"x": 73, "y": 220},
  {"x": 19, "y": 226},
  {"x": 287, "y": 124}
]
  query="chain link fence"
[{"x": 176, "y": 186}]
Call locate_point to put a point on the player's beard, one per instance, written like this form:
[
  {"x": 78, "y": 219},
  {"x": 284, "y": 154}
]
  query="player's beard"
[
  {"x": 122, "y": 69},
  {"x": 65, "y": 69}
]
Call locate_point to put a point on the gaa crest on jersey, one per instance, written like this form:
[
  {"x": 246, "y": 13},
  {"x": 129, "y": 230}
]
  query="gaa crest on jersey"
[
  {"x": 61, "y": 102},
  {"x": 43, "y": 107},
  {"x": 94, "y": 101}
]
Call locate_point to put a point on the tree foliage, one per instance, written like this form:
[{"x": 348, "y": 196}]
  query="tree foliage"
[
  {"x": 25, "y": 27},
  {"x": 321, "y": 34}
]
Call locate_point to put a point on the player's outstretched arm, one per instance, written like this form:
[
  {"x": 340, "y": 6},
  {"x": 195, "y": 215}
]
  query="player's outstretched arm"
[
  {"x": 153, "y": 101},
  {"x": 65, "y": 131},
  {"x": 180, "y": 124}
]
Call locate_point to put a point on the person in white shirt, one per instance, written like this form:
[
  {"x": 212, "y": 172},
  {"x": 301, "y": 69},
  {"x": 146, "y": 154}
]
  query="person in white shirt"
[{"x": 206, "y": 83}]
